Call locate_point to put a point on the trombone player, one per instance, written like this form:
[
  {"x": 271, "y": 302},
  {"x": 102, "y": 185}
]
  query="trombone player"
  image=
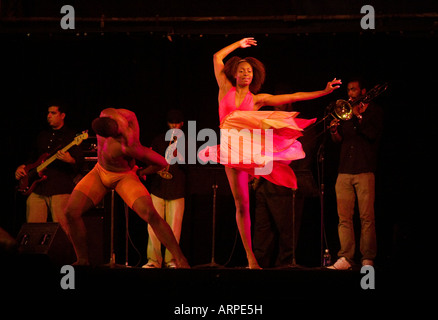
[{"x": 359, "y": 137}]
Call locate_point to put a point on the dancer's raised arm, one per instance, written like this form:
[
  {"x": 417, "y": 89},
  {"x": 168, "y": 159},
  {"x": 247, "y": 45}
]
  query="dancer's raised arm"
[
  {"x": 264, "y": 99},
  {"x": 218, "y": 59}
]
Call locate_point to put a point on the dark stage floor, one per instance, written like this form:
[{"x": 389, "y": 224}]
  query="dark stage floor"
[{"x": 36, "y": 277}]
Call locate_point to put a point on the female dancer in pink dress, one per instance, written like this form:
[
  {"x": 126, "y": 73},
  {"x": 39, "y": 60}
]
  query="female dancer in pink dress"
[{"x": 239, "y": 80}]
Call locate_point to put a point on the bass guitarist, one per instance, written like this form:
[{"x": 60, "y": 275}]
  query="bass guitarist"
[{"x": 52, "y": 192}]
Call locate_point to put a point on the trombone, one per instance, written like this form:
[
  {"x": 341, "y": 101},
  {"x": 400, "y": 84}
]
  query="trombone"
[{"x": 343, "y": 110}]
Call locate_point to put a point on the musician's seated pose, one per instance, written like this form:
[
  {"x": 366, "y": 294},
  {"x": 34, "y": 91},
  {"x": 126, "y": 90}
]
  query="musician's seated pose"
[
  {"x": 53, "y": 192},
  {"x": 118, "y": 147}
]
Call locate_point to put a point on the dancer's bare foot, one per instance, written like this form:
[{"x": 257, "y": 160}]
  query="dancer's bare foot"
[
  {"x": 252, "y": 263},
  {"x": 254, "y": 266},
  {"x": 182, "y": 264}
]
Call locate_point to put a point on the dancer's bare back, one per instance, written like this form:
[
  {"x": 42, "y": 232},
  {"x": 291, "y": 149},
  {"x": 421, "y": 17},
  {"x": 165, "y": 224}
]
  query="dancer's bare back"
[{"x": 118, "y": 152}]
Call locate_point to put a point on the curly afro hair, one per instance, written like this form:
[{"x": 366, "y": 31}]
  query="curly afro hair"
[{"x": 258, "y": 70}]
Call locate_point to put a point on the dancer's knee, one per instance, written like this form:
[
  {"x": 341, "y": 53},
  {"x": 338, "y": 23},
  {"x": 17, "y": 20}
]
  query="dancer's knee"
[
  {"x": 242, "y": 206},
  {"x": 77, "y": 205},
  {"x": 144, "y": 208}
]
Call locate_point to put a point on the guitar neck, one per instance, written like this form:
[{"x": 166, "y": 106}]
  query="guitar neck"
[{"x": 43, "y": 165}]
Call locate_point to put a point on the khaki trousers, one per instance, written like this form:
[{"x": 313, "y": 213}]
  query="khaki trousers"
[
  {"x": 348, "y": 187},
  {"x": 172, "y": 212}
]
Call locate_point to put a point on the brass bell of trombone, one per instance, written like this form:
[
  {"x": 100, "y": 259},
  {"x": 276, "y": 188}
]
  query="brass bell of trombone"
[
  {"x": 343, "y": 110},
  {"x": 165, "y": 174}
]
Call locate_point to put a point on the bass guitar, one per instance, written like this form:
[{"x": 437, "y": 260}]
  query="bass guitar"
[{"x": 34, "y": 171}]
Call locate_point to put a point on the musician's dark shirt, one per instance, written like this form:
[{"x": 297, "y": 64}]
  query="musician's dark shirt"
[
  {"x": 60, "y": 175},
  {"x": 360, "y": 141},
  {"x": 167, "y": 189}
]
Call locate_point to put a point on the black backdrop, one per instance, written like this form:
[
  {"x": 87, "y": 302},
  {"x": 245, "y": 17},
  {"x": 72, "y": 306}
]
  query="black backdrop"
[{"x": 150, "y": 73}]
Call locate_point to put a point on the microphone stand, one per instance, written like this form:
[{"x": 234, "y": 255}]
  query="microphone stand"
[
  {"x": 213, "y": 263},
  {"x": 320, "y": 157},
  {"x": 126, "y": 234},
  {"x": 294, "y": 242},
  {"x": 112, "y": 263}
]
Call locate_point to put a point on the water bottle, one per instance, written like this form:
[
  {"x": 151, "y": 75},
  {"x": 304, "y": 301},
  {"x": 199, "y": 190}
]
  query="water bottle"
[{"x": 327, "y": 258}]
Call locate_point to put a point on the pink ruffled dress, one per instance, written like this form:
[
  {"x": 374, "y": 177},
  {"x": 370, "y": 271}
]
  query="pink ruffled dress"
[{"x": 261, "y": 143}]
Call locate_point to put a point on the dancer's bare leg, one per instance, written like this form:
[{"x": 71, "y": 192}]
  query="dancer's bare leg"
[
  {"x": 77, "y": 205},
  {"x": 144, "y": 208},
  {"x": 239, "y": 187}
]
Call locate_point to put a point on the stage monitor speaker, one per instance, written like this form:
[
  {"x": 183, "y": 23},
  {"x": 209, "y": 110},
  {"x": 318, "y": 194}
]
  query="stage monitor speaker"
[
  {"x": 8, "y": 245},
  {"x": 46, "y": 239}
]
